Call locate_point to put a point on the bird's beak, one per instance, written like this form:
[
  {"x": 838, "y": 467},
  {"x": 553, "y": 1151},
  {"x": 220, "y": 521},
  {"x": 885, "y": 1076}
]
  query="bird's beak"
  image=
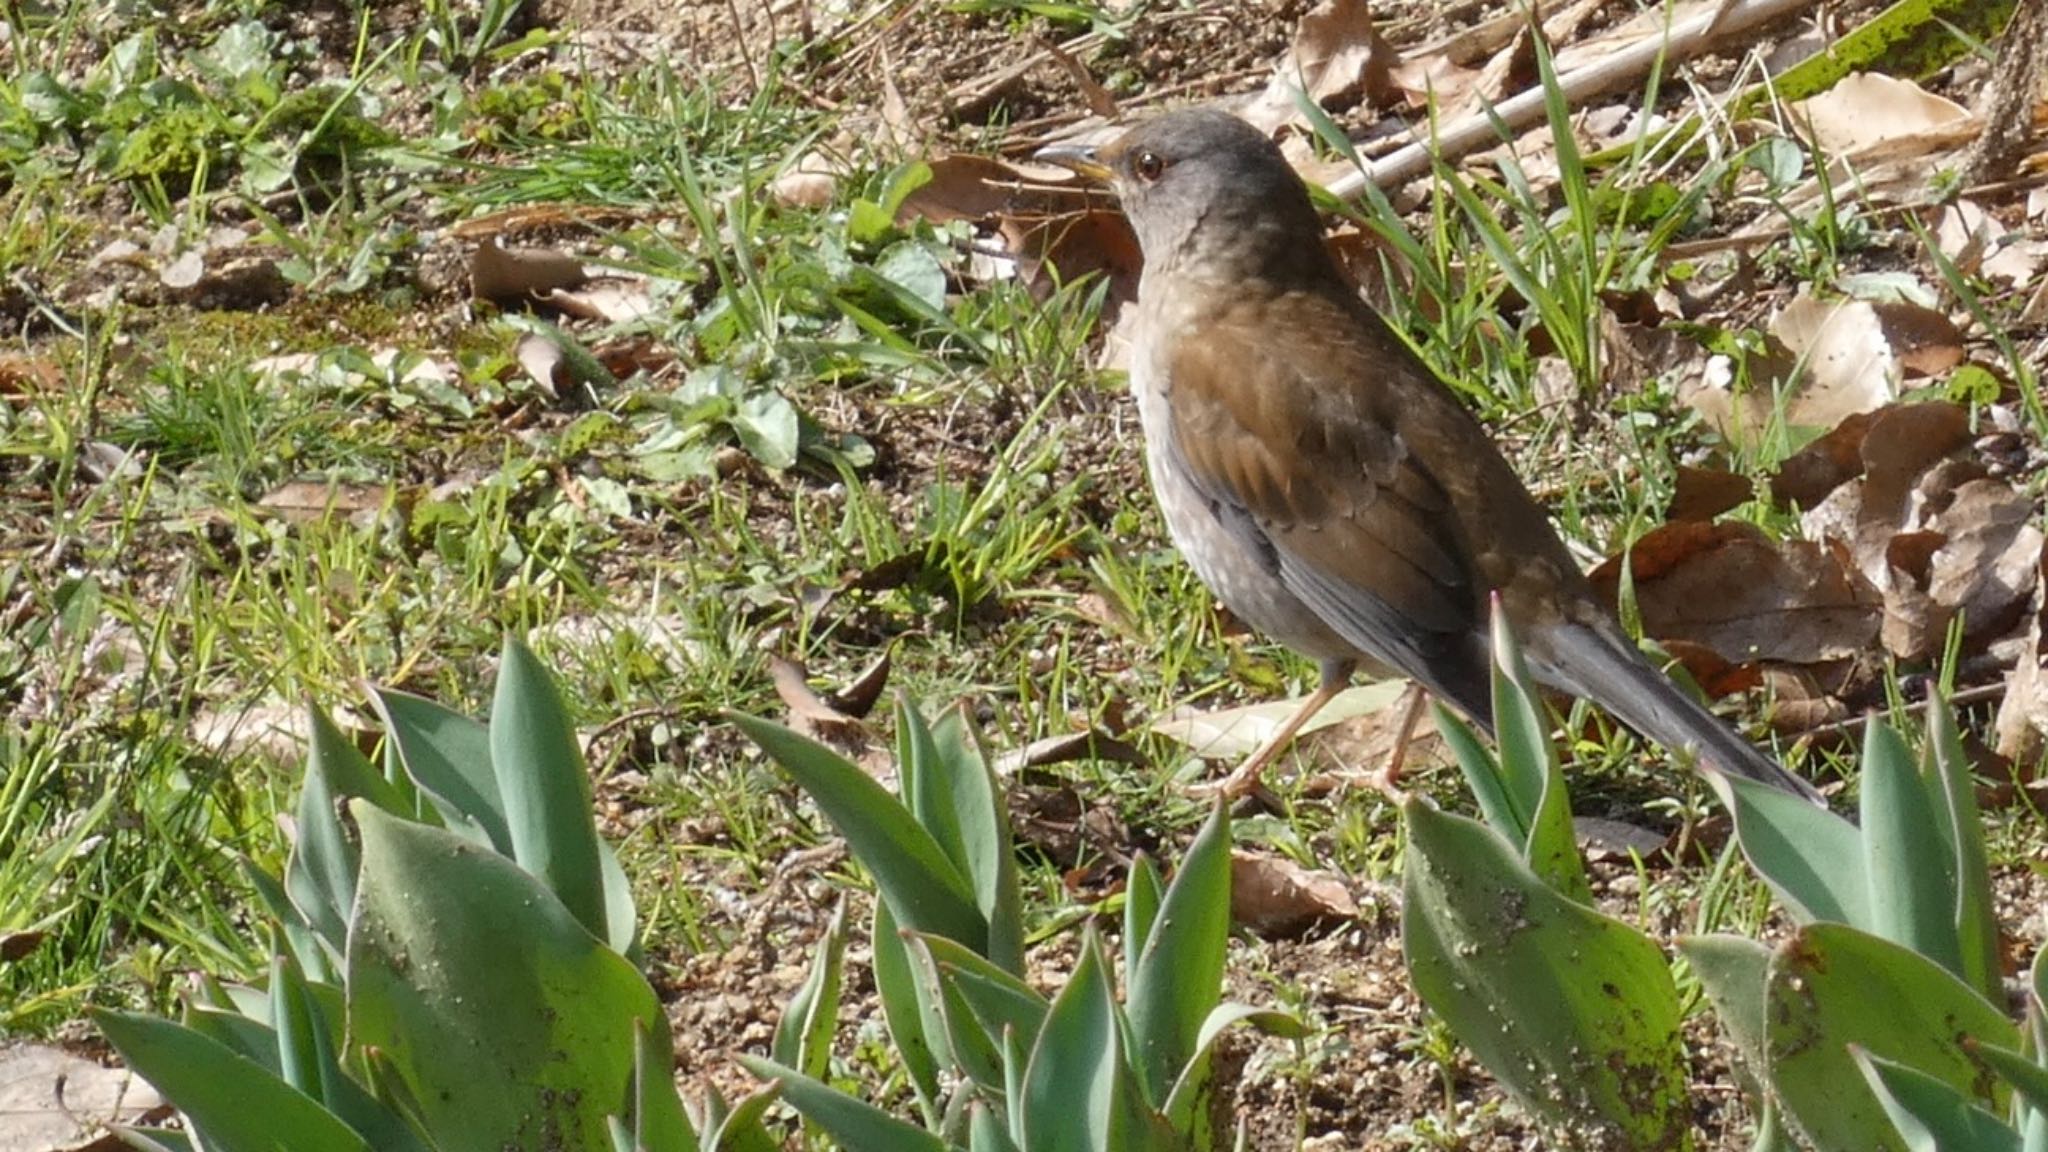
[{"x": 1077, "y": 158}]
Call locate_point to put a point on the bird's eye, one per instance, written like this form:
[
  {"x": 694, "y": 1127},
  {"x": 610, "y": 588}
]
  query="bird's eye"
[{"x": 1147, "y": 165}]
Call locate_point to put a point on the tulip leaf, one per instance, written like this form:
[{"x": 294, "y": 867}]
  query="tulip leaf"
[
  {"x": 1928, "y": 1113},
  {"x": 854, "y": 1124},
  {"x": 1811, "y": 858},
  {"x": 1574, "y": 1012},
  {"x": 925, "y": 891},
  {"x": 1955, "y": 793},
  {"x": 1071, "y": 1082},
  {"x": 448, "y": 756},
  {"x": 447, "y": 935},
  {"x": 1908, "y": 862},
  {"x": 236, "y": 1104},
  {"x": 545, "y": 786},
  {"x": 1179, "y": 977},
  {"x": 1831, "y": 986}
]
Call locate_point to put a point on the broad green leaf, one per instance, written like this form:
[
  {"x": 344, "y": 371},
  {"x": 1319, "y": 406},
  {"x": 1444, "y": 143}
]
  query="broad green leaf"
[
  {"x": 236, "y": 1104},
  {"x": 321, "y": 872},
  {"x": 1955, "y": 796},
  {"x": 1928, "y": 1113},
  {"x": 352, "y": 1102},
  {"x": 988, "y": 857},
  {"x": 925, "y": 892},
  {"x": 904, "y": 1009},
  {"x": 657, "y": 1123},
  {"x": 1179, "y": 977},
  {"x": 1574, "y": 1012},
  {"x": 1734, "y": 970},
  {"x": 985, "y": 1132},
  {"x": 1812, "y": 858},
  {"x": 998, "y": 998},
  {"x": 803, "y": 1037},
  {"x": 928, "y": 785},
  {"x": 1188, "y": 1091},
  {"x": 507, "y": 1022},
  {"x": 1069, "y": 1102},
  {"x": 854, "y": 1125},
  {"x": 1831, "y": 986},
  {"x": 739, "y": 1129},
  {"x": 1141, "y": 908},
  {"x": 1529, "y": 769},
  {"x": 1482, "y": 774},
  {"x": 2027, "y": 1077},
  {"x": 1908, "y": 861},
  {"x": 545, "y": 786},
  {"x": 448, "y": 756},
  {"x": 305, "y": 1043}
]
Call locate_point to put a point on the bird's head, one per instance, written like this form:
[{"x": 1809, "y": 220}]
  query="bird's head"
[{"x": 1201, "y": 184}]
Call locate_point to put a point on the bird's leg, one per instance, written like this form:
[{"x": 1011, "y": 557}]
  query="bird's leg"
[
  {"x": 1388, "y": 779},
  {"x": 1336, "y": 676}
]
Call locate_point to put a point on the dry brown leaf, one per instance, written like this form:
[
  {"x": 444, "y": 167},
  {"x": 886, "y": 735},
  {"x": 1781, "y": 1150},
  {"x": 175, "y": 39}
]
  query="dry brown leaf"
[
  {"x": 307, "y": 500},
  {"x": 1798, "y": 701},
  {"x": 544, "y": 218},
  {"x": 1092, "y": 744},
  {"x": 1234, "y": 733},
  {"x": 612, "y": 300},
  {"x": 1274, "y": 896},
  {"x": 53, "y": 1101},
  {"x": 1338, "y": 59},
  {"x": 2022, "y": 722},
  {"x": 1704, "y": 493},
  {"x": 504, "y": 274},
  {"x": 1054, "y": 820},
  {"x": 810, "y": 712},
  {"x": 858, "y": 698},
  {"x": 1892, "y": 445},
  {"x": 1715, "y": 676},
  {"x": 1854, "y": 354},
  {"x": 1985, "y": 570},
  {"x": 1065, "y": 248},
  {"x": 1730, "y": 588},
  {"x": 1866, "y": 110}
]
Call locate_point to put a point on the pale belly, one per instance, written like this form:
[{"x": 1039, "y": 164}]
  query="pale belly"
[{"x": 1223, "y": 548}]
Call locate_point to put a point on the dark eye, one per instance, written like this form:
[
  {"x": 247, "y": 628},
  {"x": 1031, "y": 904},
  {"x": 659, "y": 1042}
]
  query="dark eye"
[{"x": 1147, "y": 166}]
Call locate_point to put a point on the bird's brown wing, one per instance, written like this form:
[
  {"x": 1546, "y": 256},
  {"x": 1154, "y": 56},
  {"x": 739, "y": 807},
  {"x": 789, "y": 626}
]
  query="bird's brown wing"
[{"x": 1310, "y": 426}]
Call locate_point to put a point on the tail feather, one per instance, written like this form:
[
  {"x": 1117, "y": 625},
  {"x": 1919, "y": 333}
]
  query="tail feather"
[{"x": 1600, "y": 664}]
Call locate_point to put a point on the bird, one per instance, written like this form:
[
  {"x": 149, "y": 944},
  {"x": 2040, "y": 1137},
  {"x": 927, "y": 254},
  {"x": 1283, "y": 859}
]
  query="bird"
[{"x": 1323, "y": 481}]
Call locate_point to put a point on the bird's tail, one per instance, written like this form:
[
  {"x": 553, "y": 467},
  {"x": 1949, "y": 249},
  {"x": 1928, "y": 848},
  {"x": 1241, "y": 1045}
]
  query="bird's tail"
[{"x": 1598, "y": 662}]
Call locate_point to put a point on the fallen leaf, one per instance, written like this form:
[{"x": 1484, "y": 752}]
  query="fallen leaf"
[
  {"x": 1337, "y": 59},
  {"x": 810, "y": 712},
  {"x": 1985, "y": 570},
  {"x": 1798, "y": 702},
  {"x": 1234, "y": 733},
  {"x": 309, "y": 500},
  {"x": 515, "y": 275},
  {"x": 1854, "y": 354},
  {"x": 1619, "y": 841},
  {"x": 1893, "y": 445},
  {"x": 53, "y": 1101},
  {"x": 1090, "y": 744},
  {"x": 858, "y": 698},
  {"x": 1866, "y": 109},
  {"x": 1734, "y": 590},
  {"x": 1274, "y": 896},
  {"x": 1704, "y": 493},
  {"x": 2022, "y": 722}
]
